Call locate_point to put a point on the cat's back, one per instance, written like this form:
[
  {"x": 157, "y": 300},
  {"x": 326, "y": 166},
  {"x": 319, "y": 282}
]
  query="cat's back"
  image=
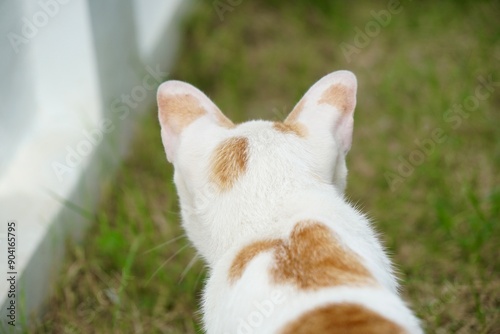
[{"x": 323, "y": 274}]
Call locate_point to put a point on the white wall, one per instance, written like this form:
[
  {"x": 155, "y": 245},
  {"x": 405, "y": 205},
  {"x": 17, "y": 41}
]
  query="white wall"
[{"x": 74, "y": 76}]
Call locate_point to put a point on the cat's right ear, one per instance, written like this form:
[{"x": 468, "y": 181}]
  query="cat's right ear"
[
  {"x": 328, "y": 107},
  {"x": 180, "y": 105}
]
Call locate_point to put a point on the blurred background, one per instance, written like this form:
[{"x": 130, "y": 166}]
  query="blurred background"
[{"x": 424, "y": 162}]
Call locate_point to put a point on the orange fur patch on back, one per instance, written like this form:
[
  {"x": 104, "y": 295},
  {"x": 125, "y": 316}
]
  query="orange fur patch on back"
[
  {"x": 312, "y": 258},
  {"x": 339, "y": 96},
  {"x": 247, "y": 254},
  {"x": 179, "y": 111},
  {"x": 294, "y": 114},
  {"x": 229, "y": 162},
  {"x": 290, "y": 127},
  {"x": 345, "y": 318}
]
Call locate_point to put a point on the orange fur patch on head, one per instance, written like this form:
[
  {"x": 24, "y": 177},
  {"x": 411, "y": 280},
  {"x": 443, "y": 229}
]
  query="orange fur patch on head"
[
  {"x": 345, "y": 318},
  {"x": 179, "y": 110},
  {"x": 247, "y": 254},
  {"x": 229, "y": 162},
  {"x": 294, "y": 115},
  {"x": 339, "y": 96},
  {"x": 312, "y": 258},
  {"x": 290, "y": 127}
]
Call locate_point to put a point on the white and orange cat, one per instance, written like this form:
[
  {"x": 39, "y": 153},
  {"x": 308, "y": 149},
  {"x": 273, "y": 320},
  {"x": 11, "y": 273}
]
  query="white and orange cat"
[{"x": 263, "y": 204}]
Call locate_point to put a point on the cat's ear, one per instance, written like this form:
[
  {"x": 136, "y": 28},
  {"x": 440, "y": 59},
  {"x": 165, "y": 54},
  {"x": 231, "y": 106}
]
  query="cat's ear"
[
  {"x": 180, "y": 105},
  {"x": 329, "y": 106}
]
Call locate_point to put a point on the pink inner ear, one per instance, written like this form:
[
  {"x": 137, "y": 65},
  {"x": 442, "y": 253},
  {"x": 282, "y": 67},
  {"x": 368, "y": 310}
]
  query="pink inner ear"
[
  {"x": 343, "y": 131},
  {"x": 169, "y": 143}
]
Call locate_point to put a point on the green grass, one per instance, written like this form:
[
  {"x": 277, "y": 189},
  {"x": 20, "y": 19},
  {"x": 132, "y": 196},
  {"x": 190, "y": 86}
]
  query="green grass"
[{"x": 441, "y": 223}]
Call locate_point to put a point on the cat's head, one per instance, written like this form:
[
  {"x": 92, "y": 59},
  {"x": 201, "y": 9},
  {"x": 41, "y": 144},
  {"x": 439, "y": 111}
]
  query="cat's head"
[{"x": 234, "y": 180}]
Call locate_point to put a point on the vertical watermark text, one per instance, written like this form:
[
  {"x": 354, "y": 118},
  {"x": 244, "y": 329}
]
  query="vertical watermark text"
[{"x": 11, "y": 272}]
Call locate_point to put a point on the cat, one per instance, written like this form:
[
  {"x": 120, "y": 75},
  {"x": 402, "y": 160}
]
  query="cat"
[{"x": 263, "y": 204}]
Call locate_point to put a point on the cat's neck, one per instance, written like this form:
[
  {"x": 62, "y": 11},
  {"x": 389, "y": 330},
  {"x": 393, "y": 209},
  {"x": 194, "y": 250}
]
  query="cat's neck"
[{"x": 275, "y": 219}]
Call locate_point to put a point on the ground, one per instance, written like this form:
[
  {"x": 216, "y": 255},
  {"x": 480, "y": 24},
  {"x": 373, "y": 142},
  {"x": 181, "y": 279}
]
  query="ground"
[{"x": 424, "y": 163}]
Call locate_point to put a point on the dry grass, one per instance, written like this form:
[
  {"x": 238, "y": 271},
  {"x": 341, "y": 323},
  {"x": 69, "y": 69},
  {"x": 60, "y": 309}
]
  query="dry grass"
[{"x": 440, "y": 222}]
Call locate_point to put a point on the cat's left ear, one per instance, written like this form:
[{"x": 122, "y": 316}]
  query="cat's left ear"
[
  {"x": 180, "y": 105},
  {"x": 328, "y": 108}
]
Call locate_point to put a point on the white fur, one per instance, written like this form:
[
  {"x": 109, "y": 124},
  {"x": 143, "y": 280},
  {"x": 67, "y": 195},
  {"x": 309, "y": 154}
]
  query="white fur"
[{"x": 288, "y": 179}]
